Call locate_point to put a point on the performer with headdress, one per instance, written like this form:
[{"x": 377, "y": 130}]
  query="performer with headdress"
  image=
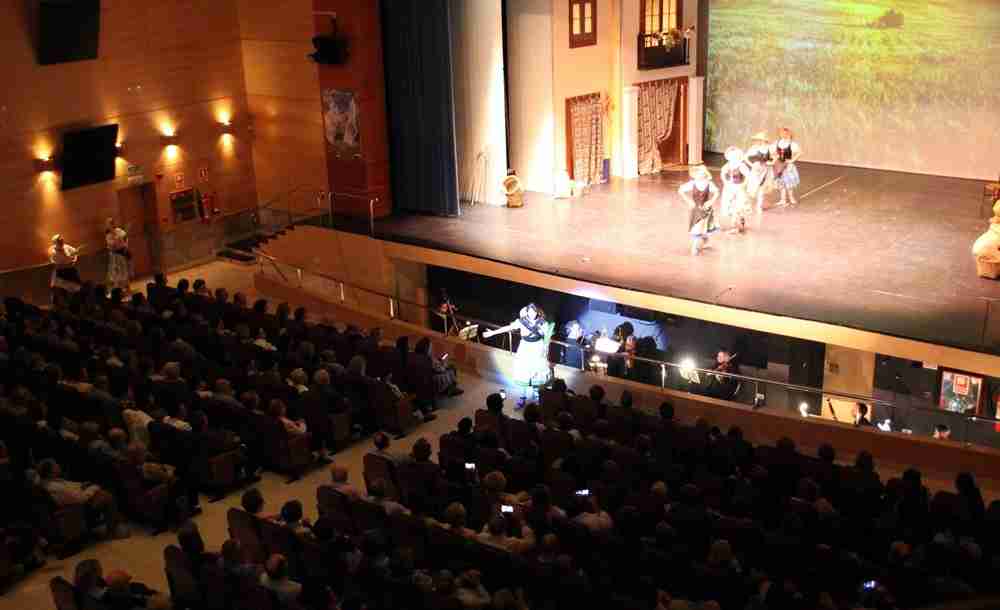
[
  {"x": 758, "y": 157},
  {"x": 119, "y": 257},
  {"x": 735, "y": 203},
  {"x": 700, "y": 194},
  {"x": 531, "y": 362},
  {"x": 64, "y": 257},
  {"x": 785, "y": 153}
]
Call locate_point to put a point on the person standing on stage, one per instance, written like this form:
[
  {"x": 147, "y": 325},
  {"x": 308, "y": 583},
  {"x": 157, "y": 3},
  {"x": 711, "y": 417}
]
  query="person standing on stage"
[
  {"x": 64, "y": 257},
  {"x": 700, "y": 193},
  {"x": 785, "y": 153},
  {"x": 531, "y": 361},
  {"x": 118, "y": 255},
  {"x": 758, "y": 157},
  {"x": 735, "y": 203}
]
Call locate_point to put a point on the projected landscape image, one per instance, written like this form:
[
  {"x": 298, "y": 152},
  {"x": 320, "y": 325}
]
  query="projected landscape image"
[{"x": 912, "y": 85}]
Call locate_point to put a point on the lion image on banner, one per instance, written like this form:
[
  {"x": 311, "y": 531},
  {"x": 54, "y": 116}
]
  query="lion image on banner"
[{"x": 340, "y": 118}]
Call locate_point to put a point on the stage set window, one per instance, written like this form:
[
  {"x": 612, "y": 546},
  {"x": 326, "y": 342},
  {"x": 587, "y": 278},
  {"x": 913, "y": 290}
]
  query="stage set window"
[
  {"x": 582, "y": 23},
  {"x": 658, "y": 16}
]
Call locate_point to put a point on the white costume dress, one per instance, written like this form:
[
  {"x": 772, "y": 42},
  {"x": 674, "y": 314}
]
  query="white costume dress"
[
  {"x": 64, "y": 275},
  {"x": 760, "y": 181},
  {"x": 735, "y": 202},
  {"x": 118, "y": 264},
  {"x": 531, "y": 362}
]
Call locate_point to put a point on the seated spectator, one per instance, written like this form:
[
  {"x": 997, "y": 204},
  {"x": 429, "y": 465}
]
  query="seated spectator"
[
  {"x": 123, "y": 594},
  {"x": 454, "y": 520},
  {"x": 316, "y": 595},
  {"x": 231, "y": 560},
  {"x": 253, "y": 502},
  {"x": 179, "y": 420},
  {"x": 299, "y": 380},
  {"x": 533, "y": 415},
  {"x": 592, "y": 517},
  {"x": 100, "y": 504},
  {"x": 225, "y": 394},
  {"x": 376, "y": 495},
  {"x": 445, "y": 375},
  {"x": 109, "y": 449},
  {"x": 667, "y": 412},
  {"x": 275, "y": 578},
  {"x": 339, "y": 476},
  {"x": 382, "y": 442},
  {"x": 279, "y": 411},
  {"x": 251, "y": 401},
  {"x": 88, "y": 582},
  {"x": 597, "y": 395},
  {"x": 566, "y": 424},
  {"x": 470, "y": 592},
  {"x": 291, "y": 516},
  {"x": 155, "y": 473}
]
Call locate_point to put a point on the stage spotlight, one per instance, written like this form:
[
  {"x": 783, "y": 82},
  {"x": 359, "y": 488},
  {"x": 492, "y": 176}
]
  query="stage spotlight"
[
  {"x": 885, "y": 426},
  {"x": 804, "y": 409},
  {"x": 758, "y": 400},
  {"x": 687, "y": 371}
]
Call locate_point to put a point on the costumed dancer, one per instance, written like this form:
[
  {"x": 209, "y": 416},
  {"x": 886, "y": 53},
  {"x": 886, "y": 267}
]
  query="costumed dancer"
[
  {"x": 700, "y": 194},
  {"x": 735, "y": 203},
  {"x": 119, "y": 257},
  {"x": 785, "y": 153},
  {"x": 531, "y": 362},
  {"x": 758, "y": 157},
  {"x": 64, "y": 257}
]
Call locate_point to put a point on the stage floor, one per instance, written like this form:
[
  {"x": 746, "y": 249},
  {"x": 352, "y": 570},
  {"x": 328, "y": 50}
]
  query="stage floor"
[{"x": 881, "y": 251}]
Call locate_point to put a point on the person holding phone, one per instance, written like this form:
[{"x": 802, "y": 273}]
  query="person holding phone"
[{"x": 445, "y": 375}]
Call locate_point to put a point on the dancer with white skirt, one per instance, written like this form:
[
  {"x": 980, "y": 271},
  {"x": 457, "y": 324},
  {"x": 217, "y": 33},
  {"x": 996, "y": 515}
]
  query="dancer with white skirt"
[
  {"x": 531, "y": 361},
  {"x": 785, "y": 153},
  {"x": 700, "y": 193},
  {"x": 758, "y": 157},
  {"x": 735, "y": 202},
  {"x": 119, "y": 257}
]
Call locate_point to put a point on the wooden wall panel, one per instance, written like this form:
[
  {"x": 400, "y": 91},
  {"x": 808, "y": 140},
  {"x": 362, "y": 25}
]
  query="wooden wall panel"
[
  {"x": 176, "y": 63},
  {"x": 283, "y": 92}
]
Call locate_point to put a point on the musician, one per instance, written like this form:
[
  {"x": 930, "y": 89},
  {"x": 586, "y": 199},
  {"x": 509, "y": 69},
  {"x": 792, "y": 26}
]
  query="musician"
[
  {"x": 700, "y": 194},
  {"x": 785, "y": 153},
  {"x": 531, "y": 363},
  {"x": 572, "y": 353},
  {"x": 119, "y": 257},
  {"x": 64, "y": 257},
  {"x": 721, "y": 386}
]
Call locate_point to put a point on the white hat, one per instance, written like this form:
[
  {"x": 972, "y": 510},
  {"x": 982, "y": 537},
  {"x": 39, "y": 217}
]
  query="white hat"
[
  {"x": 760, "y": 135},
  {"x": 700, "y": 171},
  {"x": 56, "y": 237},
  {"x": 733, "y": 154}
]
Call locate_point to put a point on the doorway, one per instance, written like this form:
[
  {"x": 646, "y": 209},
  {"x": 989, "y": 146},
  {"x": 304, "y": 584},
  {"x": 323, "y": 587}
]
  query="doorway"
[
  {"x": 137, "y": 213},
  {"x": 585, "y": 138}
]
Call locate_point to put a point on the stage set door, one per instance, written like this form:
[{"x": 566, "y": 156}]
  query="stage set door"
[
  {"x": 137, "y": 213},
  {"x": 662, "y": 124},
  {"x": 585, "y": 138}
]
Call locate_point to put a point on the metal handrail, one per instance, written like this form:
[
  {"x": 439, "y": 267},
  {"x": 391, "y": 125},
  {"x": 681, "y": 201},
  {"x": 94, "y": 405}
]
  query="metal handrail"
[{"x": 395, "y": 301}]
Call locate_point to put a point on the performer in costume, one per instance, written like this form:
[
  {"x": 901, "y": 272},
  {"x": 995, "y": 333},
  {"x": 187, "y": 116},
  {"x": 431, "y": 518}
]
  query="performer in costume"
[
  {"x": 735, "y": 203},
  {"x": 785, "y": 153},
  {"x": 531, "y": 362},
  {"x": 119, "y": 257},
  {"x": 64, "y": 257},
  {"x": 758, "y": 157},
  {"x": 700, "y": 194}
]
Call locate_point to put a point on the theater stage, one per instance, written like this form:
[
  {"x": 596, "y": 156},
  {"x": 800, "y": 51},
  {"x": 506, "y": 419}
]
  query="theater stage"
[{"x": 880, "y": 251}]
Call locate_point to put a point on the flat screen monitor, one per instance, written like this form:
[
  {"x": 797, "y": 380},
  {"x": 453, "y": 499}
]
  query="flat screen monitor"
[
  {"x": 960, "y": 392},
  {"x": 88, "y": 156}
]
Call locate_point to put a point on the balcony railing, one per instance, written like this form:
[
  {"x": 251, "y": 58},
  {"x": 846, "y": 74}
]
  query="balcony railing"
[{"x": 655, "y": 53}]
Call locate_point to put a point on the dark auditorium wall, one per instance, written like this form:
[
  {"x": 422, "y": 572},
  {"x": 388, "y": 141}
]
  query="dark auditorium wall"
[{"x": 173, "y": 64}]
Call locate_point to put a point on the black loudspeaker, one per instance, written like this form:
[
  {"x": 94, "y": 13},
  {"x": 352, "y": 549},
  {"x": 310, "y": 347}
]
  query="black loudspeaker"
[
  {"x": 330, "y": 50},
  {"x": 68, "y": 30}
]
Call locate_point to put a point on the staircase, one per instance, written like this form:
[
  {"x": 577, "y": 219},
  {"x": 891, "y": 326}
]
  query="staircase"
[{"x": 276, "y": 218}]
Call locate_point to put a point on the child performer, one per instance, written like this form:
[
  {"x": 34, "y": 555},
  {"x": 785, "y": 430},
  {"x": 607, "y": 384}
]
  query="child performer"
[
  {"x": 735, "y": 203},
  {"x": 759, "y": 159},
  {"x": 786, "y": 152},
  {"x": 700, "y": 194}
]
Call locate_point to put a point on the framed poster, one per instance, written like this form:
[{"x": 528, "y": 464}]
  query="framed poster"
[
  {"x": 341, "y": 122},
  {"x": 960, "y": 392}
]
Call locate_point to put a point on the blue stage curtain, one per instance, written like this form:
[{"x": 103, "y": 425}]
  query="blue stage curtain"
[{"x": 420, "y": 99}]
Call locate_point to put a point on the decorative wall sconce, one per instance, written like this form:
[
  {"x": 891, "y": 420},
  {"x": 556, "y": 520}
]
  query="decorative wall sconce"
[
  {"x": 45, "y": 165},
  {"x": 236, "y": 125},
  {"x": 120, "y": 149},
  {"x": 169, "y": 140}
]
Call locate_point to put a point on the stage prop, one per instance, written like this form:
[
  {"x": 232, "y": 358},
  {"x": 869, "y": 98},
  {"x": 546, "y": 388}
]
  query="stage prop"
[
  {"x": 513, "y": 190},
  {"x": 986, "y": 248}
]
